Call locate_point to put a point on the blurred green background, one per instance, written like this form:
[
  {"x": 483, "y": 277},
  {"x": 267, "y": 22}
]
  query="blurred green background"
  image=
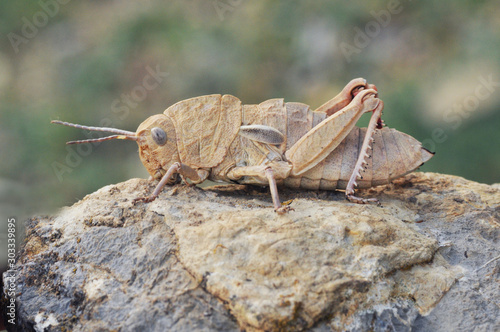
[{"x": 436, "y": 65}]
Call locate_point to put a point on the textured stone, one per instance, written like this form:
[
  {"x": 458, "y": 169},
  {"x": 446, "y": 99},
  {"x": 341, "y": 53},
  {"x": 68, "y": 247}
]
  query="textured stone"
[{"x": 219, "y": 259}]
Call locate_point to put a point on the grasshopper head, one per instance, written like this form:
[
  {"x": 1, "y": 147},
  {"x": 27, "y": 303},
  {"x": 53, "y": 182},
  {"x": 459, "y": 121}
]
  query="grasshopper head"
[
  {"x": 157, "y": 144},
  {"x": 155, "y": 136}
]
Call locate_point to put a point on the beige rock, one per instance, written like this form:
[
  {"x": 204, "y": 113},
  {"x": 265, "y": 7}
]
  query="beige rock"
[{"x": 276, "y": 271}]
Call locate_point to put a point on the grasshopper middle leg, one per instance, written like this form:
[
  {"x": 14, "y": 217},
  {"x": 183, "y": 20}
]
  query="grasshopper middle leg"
[{"x": 277, "y": 170}]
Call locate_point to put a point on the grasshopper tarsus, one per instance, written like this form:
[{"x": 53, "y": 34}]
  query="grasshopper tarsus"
[
  {"x": 359, "y": 200},
  {"x": 148, "y": 199},
  {"x": 284, "y": 209}
]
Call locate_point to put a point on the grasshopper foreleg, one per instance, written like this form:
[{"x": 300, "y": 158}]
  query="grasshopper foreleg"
[
  {"x": 176, "y": 168},
  {"x": 375, "y": 122}
]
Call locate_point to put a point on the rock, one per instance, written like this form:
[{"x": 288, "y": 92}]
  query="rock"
[{"x": 219, "y": 259}]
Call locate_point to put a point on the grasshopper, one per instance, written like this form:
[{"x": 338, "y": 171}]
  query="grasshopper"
[{"x": 273, "y": 143}]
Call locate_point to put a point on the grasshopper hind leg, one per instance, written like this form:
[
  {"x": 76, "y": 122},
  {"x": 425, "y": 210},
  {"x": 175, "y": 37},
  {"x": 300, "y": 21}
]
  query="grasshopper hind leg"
[
  {"x": 375, "y": 122},
  {"x": 359, "y": 200},
  {"x": 345, "y": 96}
]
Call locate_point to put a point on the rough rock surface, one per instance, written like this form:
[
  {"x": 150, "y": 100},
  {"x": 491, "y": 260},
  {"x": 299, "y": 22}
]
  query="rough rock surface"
[{"x": 219, "y": 259}]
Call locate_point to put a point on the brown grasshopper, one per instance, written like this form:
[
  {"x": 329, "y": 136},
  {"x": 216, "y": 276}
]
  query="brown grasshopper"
[{"x": 274, "y": 143}]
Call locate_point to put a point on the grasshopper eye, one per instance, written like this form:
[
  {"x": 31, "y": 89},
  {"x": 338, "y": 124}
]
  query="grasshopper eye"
[{"x": 159, "y": 136}]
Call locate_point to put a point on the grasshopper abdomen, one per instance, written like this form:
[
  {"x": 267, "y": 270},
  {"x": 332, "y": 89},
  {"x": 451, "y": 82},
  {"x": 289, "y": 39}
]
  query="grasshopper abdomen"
[{"x": 392, "y": 155}]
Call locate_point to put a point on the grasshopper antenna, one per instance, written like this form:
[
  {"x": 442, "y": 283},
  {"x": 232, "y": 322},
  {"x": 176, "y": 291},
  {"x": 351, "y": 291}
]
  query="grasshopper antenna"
[{"x": 121, "y": 134}]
